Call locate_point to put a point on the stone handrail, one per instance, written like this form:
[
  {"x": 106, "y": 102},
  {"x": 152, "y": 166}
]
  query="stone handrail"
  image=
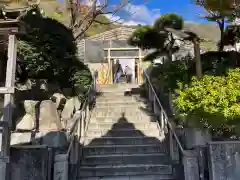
[
  {"x": 65, "y": 166},
  {"x": 186, "y": 158}
]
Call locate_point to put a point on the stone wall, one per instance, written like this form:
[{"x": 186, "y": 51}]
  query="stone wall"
[
  {"x": 29, "y": 164},
  {"x": 224, "y": 160},
  {"x": 42, "y": 116}
]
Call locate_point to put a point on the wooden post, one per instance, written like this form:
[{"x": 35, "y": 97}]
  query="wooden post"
[
  {"x": 140, "y": 67},
  {"x": 8, "y": 105},
  {"x": 110, "y": 81}
]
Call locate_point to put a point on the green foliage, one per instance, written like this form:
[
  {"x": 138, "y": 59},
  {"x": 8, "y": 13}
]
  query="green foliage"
[
  {"x": 57, "y": 16},
  {"x": 170, "y": 74},
  {"x": 48, "y": 51},
  {"x": 157, "y": 37},
  {"x": 220, "y": 12},
  {"x": 212, "y": 102},
  {"x": 231, "y": 35},
  {"x": 82, "y": 81},
  {"x": 146, "y": 37},
  {"x": 219, "y": 9},
  {"x": 182, "y": 70},
  {"x": 169, "y": 21}
]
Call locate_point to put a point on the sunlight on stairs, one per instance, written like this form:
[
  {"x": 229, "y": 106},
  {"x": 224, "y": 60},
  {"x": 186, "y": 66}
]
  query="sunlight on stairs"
[{"x": 123, "y": 141}]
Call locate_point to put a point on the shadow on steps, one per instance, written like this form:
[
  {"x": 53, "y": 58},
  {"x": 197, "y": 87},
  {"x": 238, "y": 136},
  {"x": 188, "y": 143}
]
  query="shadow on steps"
[{"x": 122, "y": 150}]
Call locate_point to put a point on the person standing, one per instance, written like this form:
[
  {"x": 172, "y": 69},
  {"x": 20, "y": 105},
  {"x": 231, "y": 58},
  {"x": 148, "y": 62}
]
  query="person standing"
[
  {"x": 128, "y": 73},
  {"x": 117, "y": 70}
]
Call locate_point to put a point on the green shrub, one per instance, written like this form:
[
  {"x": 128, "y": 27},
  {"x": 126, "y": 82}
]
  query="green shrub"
[
  {"x": 82, "y": 81},
  {"x": 170, "y": 74},
  {"x": 213, "y": 102}
]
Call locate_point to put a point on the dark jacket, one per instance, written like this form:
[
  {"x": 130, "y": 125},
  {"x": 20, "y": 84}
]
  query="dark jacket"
[{"x": 117, "y": 68}]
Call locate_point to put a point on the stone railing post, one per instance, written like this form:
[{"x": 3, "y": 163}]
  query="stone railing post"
[
  {"x": 190, "y": 164},
  {"x": 61, "y": 167}
]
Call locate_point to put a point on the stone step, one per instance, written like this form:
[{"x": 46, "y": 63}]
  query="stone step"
[
  {"x": 122, "y": 126},
  {"x": 119, "y": 105},
  {"x": 115, "y": 101},
  {"x": 125, "y": 149},
  {"x": 134, "y": 177},
  {"x": 119, "y": 113},
  {"x": 120, "y": 101},
  {"x": 115, "y": 159},
  {"x": 125, "y": 170},
  {"x": 120, "y": 92},
  {"x": 127, "y": 115},
  {"x": 123, "y": 133},
  {"x": 122, "y": 140},
  {"x": 124, "y": 108},
  {"x": 130, "y": 120},
  {"x": 118, "y": 98},
  {"x": 117, "y": 86}
]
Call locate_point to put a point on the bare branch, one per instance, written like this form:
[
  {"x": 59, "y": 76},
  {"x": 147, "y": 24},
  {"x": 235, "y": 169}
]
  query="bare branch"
[{"x": 80, "y": 22}]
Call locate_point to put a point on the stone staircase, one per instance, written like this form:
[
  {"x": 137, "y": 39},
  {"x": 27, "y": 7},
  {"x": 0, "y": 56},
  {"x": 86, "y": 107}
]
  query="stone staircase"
[{"x": 123, "y": 141}]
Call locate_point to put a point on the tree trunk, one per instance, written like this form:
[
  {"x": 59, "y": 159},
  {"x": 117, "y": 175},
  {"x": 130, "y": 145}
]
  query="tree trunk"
[
  {"x": 221, "y": 27},
  {"x": 197, "y": 58},
  {"x": 171, "y": 44}
]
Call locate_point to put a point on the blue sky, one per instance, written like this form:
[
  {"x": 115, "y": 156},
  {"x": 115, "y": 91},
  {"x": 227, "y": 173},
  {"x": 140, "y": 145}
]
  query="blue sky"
[{"x": 146, "y": 12}]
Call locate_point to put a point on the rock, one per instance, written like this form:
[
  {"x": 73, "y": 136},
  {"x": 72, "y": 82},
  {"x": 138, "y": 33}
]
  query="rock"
[
  {"x": 36, "y": 89},
  {"x": 43, "y": 84},
  {"x": 20, "y": 138},
  {"x": 24, "y": 86},
  {"x": 68, "y": 109},
  {"x": 30, "y": 107},
  {"x": 48, "y": 116},
  {"x": 26, "y": 123},
  {"x": 59, "y": 99},
  {"x": 77, "y": 103}
]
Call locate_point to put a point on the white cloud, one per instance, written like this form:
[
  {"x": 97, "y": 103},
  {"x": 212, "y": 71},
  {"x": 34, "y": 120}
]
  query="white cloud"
[
  {"x": 136, "y": 14},
  {"x": 141, "y": 14},
  {"x": 89, "y": 2},
  {"x": 118, "y": 19}
]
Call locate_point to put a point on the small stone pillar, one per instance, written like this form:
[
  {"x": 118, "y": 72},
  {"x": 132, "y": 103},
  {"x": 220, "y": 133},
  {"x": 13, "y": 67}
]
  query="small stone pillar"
[
  {"x": 190, "y": 163},
  {"x": 61, "y": 167}
]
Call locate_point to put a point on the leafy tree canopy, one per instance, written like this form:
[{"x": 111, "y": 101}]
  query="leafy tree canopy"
[
  {"x": 231, "y": 35},
  {"x": 217, "y": 9},
  {"x": 147, "y": 37},
  {"x": 48, "y": 51},
  {"x": 169, "y": 21},
  {"x": 182, "y": 70},
  {"x": 221, "y": 12},
  {"x": 157, "y": 37}
]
